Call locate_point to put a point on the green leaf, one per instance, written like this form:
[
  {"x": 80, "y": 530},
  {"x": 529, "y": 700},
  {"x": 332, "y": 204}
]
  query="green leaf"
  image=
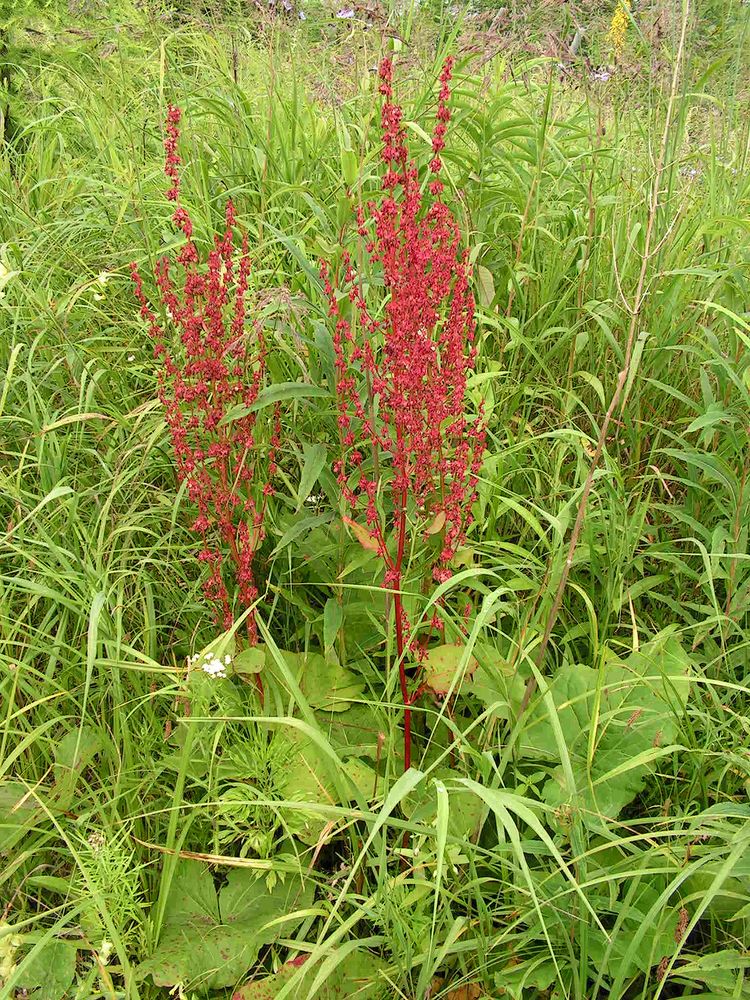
[
  {"x": 211, "y": 942},
  {"x": 349, "y": 166},
  {"x": 282, "y": 392},
  {"x": 466, "y": 810},
  {"x": 723, "y": 971},
  {"x": 325, "y": 684},
  {"x": 308, "y": 777},
  {"x": 445, "y": 667},
  {"x": 301, "y": 526},
  {"x": 356, "y": 977},
  {"x": 333, "y": 616},
  {"x": 49, "y": 972},
  {"x": 629, "y": 951},
  {"x": 315, "y": 460},
  {"x": 496, "y": 682},
  {"x": 485, "y": 285},
  {"x": 634, "y": 704},
  {"x": 73, "y": 754},
  {"x": 19, "y": 812},
  {"x": 538, "y": 973},
  {"x": 362, "y": 732},
  {"x": 249, "y": 661}
]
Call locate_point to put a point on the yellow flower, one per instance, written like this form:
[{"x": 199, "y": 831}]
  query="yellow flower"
[{"x": 618, "y": 27}]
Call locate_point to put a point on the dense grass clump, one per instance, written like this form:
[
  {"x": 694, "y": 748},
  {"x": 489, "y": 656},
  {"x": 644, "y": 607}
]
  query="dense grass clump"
[{"x": 193, "y": 808}]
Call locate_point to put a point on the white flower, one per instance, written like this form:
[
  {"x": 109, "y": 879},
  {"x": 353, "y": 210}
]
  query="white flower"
[
  {"x": 131, "y": 357},
  {"x": 213, "y": 666},
  {"x": 103, "y": 277},
  {"x": 210, "y": 663},
  {"x": 96, "y": 841},
  {"x": 105, "y": 950}
]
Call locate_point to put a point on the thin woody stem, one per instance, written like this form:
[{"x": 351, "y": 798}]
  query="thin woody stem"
[{"x": 617, "y": 397}]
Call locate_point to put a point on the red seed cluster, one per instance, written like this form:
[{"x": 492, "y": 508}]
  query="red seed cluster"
[
  {"x": 412, "y": 361},
  {"x": 213, "y": 361}
]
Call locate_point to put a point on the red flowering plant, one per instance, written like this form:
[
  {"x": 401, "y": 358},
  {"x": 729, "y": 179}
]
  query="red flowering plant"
[
  {"x": 410, "y": 453},
  {"x": 213, "y": 361}
]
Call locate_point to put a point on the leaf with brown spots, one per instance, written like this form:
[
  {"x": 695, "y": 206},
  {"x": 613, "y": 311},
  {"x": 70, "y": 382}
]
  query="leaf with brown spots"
[
  {"x": 214, "y": 940},
  {"x": 355, "y": 977}
]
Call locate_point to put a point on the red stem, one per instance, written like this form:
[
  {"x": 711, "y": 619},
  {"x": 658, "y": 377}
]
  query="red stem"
[{"x": 400, "y": 645}]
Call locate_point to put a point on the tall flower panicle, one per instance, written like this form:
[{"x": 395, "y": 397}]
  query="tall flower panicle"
[
  {"x": 618, "y": 27},
  {"x": 402, "y": 370},
  {"x": 213, "y": 365}
]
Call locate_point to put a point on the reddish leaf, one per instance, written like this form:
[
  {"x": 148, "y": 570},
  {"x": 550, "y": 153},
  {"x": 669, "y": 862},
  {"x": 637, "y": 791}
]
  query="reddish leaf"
[{"x": 364, "y": 537}]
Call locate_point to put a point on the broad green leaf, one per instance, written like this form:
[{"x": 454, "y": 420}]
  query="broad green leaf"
[
  {"x": 726, "y": 902},
  {"x": 615, "y": 954},
  {"x": 308, "y": 777},
  {"x": 636, "y": 704},
  {"x": 537, "y": 973},
  {"x": 249, "y": 661},
  {"x": 723, "y": 971},
  {"x": 349, "y": 166},
  {"x": 445, "y": 667},
  {"x": 326, "y": 685},
  {"x": 485, "y": 285},
  {"x": 301, "y": 526},
  {"x": 48, "y": 973},
  {"x": 360, "y": 731},
  {"x": 466, "y": 810},
  {"x": 212, "y": 941},
  {"x": 315, "y": 460},
  {"x": 496, "y": 682},
  {"x": 73, "y": 754}
]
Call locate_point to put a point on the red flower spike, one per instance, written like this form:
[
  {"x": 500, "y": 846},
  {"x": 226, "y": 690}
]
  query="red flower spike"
[
  {"x": 213, "y": 361},
  {"x": 413, "y": 364}
]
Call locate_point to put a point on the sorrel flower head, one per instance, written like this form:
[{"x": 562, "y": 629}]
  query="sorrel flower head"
[
  {"x": 213, "y": 361},
  {"x": 415, "y": 357},
  {"x": 402, "y": 364}
]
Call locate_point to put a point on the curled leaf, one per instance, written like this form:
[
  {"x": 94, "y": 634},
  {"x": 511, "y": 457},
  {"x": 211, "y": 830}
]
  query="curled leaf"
[
  {"x": 437, "y": 523},
  {"x": 364, "y": 537}
]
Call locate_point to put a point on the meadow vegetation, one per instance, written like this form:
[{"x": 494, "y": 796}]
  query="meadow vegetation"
[{"x": 546, "y": 570}]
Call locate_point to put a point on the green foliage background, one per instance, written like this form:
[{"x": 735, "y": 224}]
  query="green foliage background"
[{"x": 595, "y": 845}]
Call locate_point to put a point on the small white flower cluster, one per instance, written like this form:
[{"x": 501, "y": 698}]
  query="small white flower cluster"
[
  {"x": 213, "y": 665},
  {"x": 96, "y": 841}
]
